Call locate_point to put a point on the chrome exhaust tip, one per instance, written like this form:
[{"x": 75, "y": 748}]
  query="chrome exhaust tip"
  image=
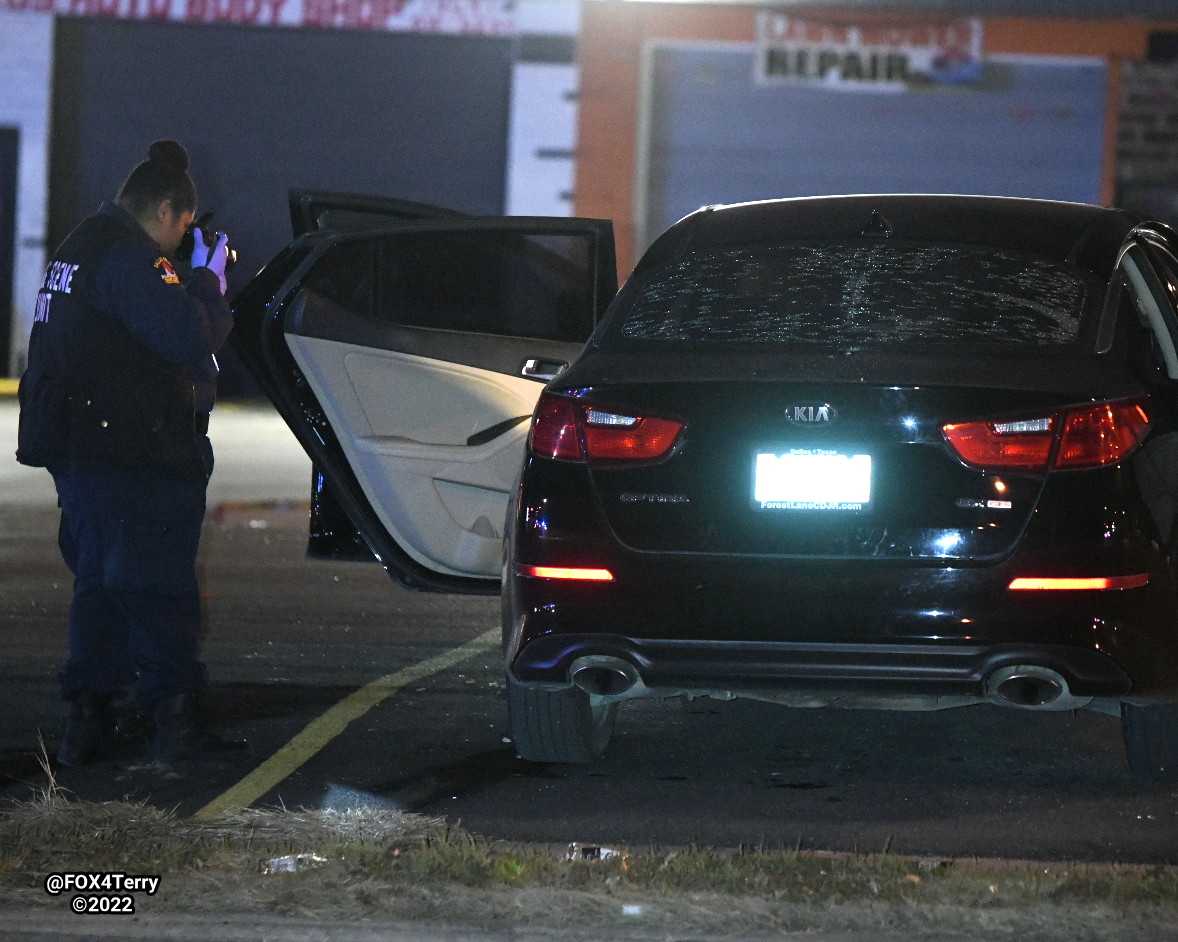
[
  {"x": 1032, "y": 687},
  {"x": 1028, "y": 691},
  {"x": 603, "y": 676}
]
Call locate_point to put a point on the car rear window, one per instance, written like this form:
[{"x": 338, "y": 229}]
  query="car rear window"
[{"x": 859, "y": 293}]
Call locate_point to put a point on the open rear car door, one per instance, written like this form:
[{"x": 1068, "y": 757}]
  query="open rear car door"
[{"x": 405, "y": 346}]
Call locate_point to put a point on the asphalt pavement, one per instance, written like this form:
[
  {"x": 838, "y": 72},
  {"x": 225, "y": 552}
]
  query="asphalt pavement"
[
  {"x": 351, "y": 689},
  {"x": 354, "y": 691}
]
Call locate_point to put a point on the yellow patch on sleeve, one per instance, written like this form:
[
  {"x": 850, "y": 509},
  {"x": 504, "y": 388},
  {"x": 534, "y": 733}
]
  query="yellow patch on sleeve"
[{"x": 167, "y": 272}]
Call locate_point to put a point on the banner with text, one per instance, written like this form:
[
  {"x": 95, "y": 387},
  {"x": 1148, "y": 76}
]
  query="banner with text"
[
  {"x": 479, "y": 17},
  {"x": 884, "y": 56}
]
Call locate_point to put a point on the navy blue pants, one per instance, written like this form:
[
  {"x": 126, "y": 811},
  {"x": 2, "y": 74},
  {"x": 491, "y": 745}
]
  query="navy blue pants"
[{"x": 130, "y": 538}]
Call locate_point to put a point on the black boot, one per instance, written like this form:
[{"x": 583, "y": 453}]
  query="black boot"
[
  {"x": 90, "y": 730},
  {"x": 181, "y": 735}
]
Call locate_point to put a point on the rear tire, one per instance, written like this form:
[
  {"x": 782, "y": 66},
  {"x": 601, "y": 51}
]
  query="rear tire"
[
  {"x": 558, "y": 724},
  {"x": 1151, "y": 740}
]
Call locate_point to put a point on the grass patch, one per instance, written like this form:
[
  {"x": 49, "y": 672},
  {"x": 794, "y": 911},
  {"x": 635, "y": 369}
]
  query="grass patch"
[{"x": 377, "y": 864}]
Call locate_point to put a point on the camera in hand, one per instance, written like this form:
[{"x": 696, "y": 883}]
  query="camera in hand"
[{"x": 209, "y": 234}]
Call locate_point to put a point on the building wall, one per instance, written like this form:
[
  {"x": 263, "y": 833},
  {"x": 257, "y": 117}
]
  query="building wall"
[
  {"x": 613, "y": 37},
  {"x": 1147, "y": 145},
  {"x": 26, "y": 66},
  {"x": 1140, "y": 153},
  {"x": 543, "y": 106}
]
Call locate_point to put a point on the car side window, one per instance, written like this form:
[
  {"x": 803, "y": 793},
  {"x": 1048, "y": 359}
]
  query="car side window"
[
  {"x": 347, "y": 278},
  {"x": 484, "y": 281},
  {"x": 1154, "y": 308}
]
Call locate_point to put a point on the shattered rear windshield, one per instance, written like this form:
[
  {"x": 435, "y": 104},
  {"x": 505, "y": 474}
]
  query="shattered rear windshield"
[{"x": 859, "y": 294}]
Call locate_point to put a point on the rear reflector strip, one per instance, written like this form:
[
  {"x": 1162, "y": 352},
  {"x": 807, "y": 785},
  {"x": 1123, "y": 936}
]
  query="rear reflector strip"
[
  {"x": 1073, "y": 584},
  {"x": 558, "y": 572}
]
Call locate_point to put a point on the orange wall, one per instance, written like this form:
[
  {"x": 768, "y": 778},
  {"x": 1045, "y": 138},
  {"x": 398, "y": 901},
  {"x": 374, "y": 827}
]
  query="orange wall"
[{"x": 614, "y": 32}]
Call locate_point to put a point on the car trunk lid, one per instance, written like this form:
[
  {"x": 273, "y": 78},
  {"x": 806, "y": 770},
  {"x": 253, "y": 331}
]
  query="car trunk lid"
[{"x": 817, "y": 470}]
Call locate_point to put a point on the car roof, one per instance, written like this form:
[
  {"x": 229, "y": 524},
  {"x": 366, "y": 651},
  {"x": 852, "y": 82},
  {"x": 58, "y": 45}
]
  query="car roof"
[{"x": 1084, "y": 234}]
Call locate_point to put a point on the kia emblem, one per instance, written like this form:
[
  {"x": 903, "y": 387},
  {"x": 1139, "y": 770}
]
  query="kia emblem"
[{"x": 815, "y": 413}]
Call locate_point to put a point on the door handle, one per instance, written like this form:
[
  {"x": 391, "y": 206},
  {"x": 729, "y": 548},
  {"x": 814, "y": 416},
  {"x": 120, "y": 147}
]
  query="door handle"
[{"x": 543, "y": 370}]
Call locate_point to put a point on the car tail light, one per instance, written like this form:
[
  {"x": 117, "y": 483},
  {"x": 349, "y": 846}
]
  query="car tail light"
[
  {"x": 572, "y": 430},
  {"x": 1073, "y": 583},
  {"x": 1103, "y": 434},
  {"x": 1081, "y": 437},
  {"x": 555, "y": 432}
]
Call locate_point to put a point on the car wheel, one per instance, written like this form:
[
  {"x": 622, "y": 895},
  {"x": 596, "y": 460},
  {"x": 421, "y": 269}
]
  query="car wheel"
[
  {"x": 558, "y": 724},
  {"x": 1151, "y": 739}
]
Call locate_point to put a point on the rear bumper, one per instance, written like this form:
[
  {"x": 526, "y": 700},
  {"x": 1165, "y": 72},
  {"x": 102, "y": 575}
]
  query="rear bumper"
[
  {"x": 775, "y": 670},
  {"x": 757, "y": 624}
]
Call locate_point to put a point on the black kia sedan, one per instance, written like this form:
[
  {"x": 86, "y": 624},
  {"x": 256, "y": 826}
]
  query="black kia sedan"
[{"x": 894, "y": 451}]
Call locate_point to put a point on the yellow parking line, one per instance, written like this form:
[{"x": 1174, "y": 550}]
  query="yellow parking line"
[
  {"x": 8, "y": 387},
  {"x": 320, "y": 731}
]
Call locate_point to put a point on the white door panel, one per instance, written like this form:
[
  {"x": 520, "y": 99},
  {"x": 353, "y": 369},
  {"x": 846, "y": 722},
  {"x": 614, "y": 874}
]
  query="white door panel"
[
  {"x": 431, "y": 401},
  {"x": 403, "y": 422}
]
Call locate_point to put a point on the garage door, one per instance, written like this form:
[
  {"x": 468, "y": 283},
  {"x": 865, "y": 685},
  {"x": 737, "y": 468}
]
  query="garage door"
[
  {"x": 710, "y": 134},
  {"x": 264, "y": 110}
]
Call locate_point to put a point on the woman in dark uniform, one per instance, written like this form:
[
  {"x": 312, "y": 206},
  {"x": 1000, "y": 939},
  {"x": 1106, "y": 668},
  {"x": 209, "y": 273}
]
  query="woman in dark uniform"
[{"x": 108, "y": 407}]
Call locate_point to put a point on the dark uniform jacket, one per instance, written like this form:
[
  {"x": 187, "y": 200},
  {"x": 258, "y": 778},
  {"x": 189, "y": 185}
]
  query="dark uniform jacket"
[{"x": 115, "y": 345}]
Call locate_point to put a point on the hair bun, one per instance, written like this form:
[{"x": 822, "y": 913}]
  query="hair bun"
[{"x": 169, "y": 153}]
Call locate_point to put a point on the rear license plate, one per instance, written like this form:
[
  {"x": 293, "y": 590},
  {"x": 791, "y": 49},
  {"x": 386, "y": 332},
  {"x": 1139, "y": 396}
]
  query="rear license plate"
[{"x": 811, "y": 479}]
